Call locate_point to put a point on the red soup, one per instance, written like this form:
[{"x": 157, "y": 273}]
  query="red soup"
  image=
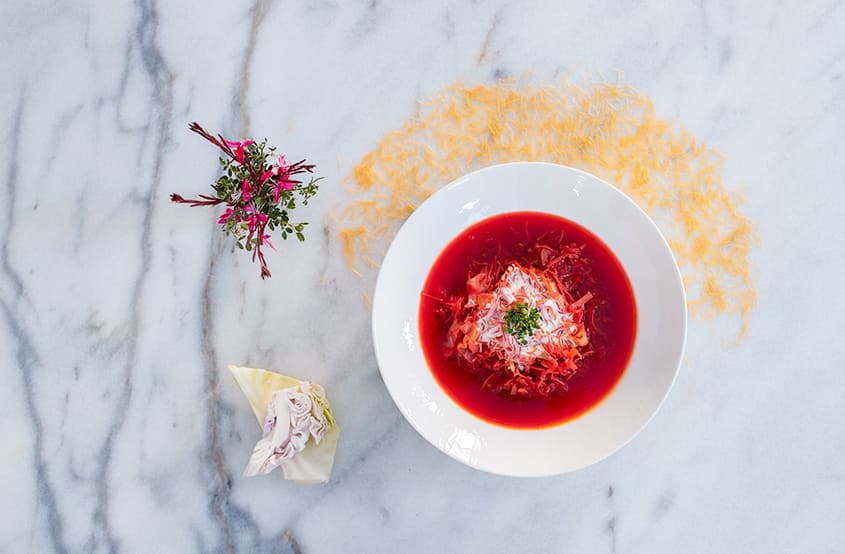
[{"x": 527, "y": 320}]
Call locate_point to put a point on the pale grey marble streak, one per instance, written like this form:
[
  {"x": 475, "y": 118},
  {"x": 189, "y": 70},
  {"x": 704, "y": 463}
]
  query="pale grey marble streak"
[{"x": 122, "y": 430}]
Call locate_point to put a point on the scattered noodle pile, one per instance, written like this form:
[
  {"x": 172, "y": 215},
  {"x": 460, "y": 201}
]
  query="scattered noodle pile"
[{"x": 609, "y": 130}]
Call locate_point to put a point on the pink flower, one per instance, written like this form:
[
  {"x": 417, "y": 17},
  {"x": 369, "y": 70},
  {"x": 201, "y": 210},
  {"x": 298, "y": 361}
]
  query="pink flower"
[
  {"x": 239, "y": 148},
  {"x": 255, "y": 219},
  {"x": 280, "y": 186},
  {"x": 237, "y": 144},
  {"x": 283, "y": 181},
  {"x": 266, "y": 175},
  {"x": 246, "y": 190},
  {"x": 224, "y": 217},
  {"x": 265, "y": 241}
]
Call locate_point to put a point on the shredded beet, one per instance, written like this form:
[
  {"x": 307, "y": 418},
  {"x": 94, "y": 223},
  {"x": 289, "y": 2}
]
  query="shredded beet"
[{"x": 552, "y": 276}]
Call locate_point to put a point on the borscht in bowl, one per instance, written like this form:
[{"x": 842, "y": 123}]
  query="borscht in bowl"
[{"x": 529, "y": 319}]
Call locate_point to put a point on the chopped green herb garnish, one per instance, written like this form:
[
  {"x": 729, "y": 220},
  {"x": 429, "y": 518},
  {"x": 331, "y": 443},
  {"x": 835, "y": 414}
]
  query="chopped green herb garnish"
[{"x": 521, "y": 321}]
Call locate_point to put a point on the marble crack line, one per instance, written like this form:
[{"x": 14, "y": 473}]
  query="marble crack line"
[
  {"x": 27, "y": 359},
  {"x": 825, "y": 17},
  {"x": 293, "y": 543},
  {"x": 259, "y": 11},
  {"x": 488, "y": 38},
  {"x": 153, "y": 63},
  {"x": 223, "y": 483},
  {"x": 611, "y": 521},
  {"x": 11, "y": 191},
  {"x": 26, "y": 355},
  {"x": 221, "y": 508}
]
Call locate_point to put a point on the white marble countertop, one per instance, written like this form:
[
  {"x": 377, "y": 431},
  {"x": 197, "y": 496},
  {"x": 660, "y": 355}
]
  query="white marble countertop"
[{"x": 122, "y": 430}]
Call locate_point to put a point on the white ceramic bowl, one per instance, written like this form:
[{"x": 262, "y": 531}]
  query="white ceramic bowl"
[{"x": 639, "y": 246}]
